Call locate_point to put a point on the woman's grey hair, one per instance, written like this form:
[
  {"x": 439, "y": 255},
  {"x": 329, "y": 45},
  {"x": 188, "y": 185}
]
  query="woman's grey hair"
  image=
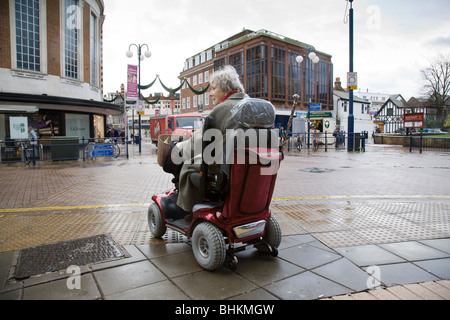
[{"x": 227, "y": 79}]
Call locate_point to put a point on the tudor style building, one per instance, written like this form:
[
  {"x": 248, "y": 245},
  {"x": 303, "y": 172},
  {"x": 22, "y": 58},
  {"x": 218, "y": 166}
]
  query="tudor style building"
[
  {"x": 390, "y": 117},
  {"x": 51, "y": 67},
  {"x": 268, "y": 68}
]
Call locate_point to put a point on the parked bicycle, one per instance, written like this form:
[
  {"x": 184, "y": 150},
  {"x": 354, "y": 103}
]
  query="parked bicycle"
[
  {"x": 27, "y": 152},
  {"x": 298, "y": 143},
  {"x": 316, "y": 143}
]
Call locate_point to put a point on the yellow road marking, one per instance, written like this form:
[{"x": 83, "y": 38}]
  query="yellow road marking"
[
  {"x": 274, "y": 199},
  {"x": 74, "y": 207},
  {"x": 364, "y": 197}
]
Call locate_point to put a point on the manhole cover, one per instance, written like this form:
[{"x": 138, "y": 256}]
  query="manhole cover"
[
  {"x": 61, "y": 255},
  {"x": 316, "y": 170}
]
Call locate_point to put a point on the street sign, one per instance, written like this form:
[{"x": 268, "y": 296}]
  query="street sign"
[
  {"x": 352, "y": 80},
  {"x": 101, "y": 150},
  {"x": 140, "y": 108},
  {"x": 320, "y": 114},
  {"x": 315, "y": 107}
]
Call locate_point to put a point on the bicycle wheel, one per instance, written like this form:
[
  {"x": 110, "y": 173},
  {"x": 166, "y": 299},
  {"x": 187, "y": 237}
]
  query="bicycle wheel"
[
  {"x": 299, "y": 144},
  {"x": 316, "y": 145},
  {"x": 116, "y": 151},
  {"x": 27, "y": 156}
]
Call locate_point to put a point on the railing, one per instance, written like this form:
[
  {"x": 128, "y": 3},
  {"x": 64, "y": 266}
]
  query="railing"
[
  {"x": 423, "y": 142},
  {"x": 62, "y": 149},
  {"x": 325, "y": 141}
]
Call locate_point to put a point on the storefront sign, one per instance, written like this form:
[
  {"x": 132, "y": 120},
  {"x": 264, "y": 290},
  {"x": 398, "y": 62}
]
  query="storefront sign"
[
  {"x": 320, "y": 114},
  {"x": 414, "y": 120},
  {"x": 18, "y": 127}
]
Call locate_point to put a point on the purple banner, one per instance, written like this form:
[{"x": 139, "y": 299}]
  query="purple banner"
[{"x": 132, "y": 83}]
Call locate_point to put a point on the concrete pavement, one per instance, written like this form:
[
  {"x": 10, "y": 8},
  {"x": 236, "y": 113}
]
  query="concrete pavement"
[{"x": 371, "y": 225}]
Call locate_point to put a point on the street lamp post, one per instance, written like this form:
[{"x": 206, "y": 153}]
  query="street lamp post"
[
  {"x": 313, "y": 58},
  {"x": 141, "y": 57},
  {"x": 351, "y": 117}
]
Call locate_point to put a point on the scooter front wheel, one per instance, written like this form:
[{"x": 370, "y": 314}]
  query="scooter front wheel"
[
  {"x": 208, "y": 246},
  {"x": 155, "y": 221}
]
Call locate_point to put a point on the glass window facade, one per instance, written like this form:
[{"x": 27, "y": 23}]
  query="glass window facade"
[
  {"x": 93, "y": 48},
  {"x": 257, "y": 72},
  {"x": 71, "y": 39},
  {"x": 237, "y": 61},
  {"x": 28, "y": 42},
  {"x": 295, "y": 75},
  {"x": 278, "y": 60}
]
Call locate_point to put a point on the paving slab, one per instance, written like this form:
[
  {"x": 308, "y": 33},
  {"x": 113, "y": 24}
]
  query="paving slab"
[
  {"x": 403, "y": 273},
  {"x": 306, "y": 286},
  {"x": 344, "y": 272},
  {"x": 307, "y": 255},
  {"x": 413, "y": 250},
  {"x": 126, "y": 277},
  {"x": 438, "y": 267},
  {"x": 368, "y": 255}
]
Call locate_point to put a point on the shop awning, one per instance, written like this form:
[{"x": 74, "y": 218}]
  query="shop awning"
[{"x": 17, "y": 108}]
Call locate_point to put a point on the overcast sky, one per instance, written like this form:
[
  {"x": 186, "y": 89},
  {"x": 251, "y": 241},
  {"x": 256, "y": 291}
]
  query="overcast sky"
[{"x": 394, "y": 39}]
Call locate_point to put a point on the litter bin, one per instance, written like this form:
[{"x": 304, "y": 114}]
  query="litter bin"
[
  {"x": 137, "y": 139},
  {"x": 65, "y": 148}
]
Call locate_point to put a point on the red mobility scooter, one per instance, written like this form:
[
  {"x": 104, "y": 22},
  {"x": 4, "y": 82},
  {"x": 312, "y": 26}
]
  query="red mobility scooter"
[{"x": 235, "y": 213}]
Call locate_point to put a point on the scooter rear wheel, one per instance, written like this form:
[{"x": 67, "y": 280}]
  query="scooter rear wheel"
[
  {"x": 272, "y": 237},
  {"x": 155, "y": 221},
  {"x": 208, "y": 246}
]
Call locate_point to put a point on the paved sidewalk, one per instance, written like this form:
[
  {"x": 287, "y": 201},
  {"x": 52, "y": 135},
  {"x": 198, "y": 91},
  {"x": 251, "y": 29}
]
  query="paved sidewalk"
[{"x": 371, "y": 225}]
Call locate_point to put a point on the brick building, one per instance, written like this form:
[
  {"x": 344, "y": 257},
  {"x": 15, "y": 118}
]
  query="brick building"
[
  {"x": 51, "y": 65},
  {"x": 267, "y": 65}
]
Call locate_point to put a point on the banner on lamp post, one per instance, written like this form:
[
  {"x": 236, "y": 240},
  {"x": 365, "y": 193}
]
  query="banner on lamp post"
[{"x": 132, "y": 83}]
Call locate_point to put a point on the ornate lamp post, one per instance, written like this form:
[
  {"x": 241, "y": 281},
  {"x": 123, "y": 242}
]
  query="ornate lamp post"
[
  {"x": 313, "y": 59},
  {"x": 141, "y": 57}
]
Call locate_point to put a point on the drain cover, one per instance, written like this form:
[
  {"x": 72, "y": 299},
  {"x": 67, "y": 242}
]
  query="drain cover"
[{"x": 61, "y": 255}]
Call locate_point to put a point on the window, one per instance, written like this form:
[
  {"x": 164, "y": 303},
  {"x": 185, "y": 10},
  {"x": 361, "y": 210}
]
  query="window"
[
  {"x": 209, "y": 55},
  {"x": 322, "y": 82},
  {"x": 200, "y": 78},
  {"x": 207, "y": 99},
  {"x": 206, "y": 76},
  {"x": 93, "y": 46},
  {"x": 194, "y": 80},
  {"x": 183, "y": 103},
  {"x": 28, "y": 40},
  {"x": 295, "y": 75},
  {"x": 194, "y": 102},
  {"x": 278, "y": 73},
  {"x": 188, "y": 102},
  {"x": 257, "y": 83},
  {"x": 220, "y": 63},
  {"x": 237, "y": 61},
  {"x": 390, "y": 111},
  {"x": 71, "y": 63}
]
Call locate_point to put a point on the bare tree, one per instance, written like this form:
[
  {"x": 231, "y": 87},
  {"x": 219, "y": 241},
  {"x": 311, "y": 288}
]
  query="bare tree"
[{"x": 437, "y": 83}]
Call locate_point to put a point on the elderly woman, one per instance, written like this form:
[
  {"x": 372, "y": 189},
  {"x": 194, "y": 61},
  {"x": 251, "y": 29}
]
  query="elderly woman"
[{"x": 226, "y": 92}]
